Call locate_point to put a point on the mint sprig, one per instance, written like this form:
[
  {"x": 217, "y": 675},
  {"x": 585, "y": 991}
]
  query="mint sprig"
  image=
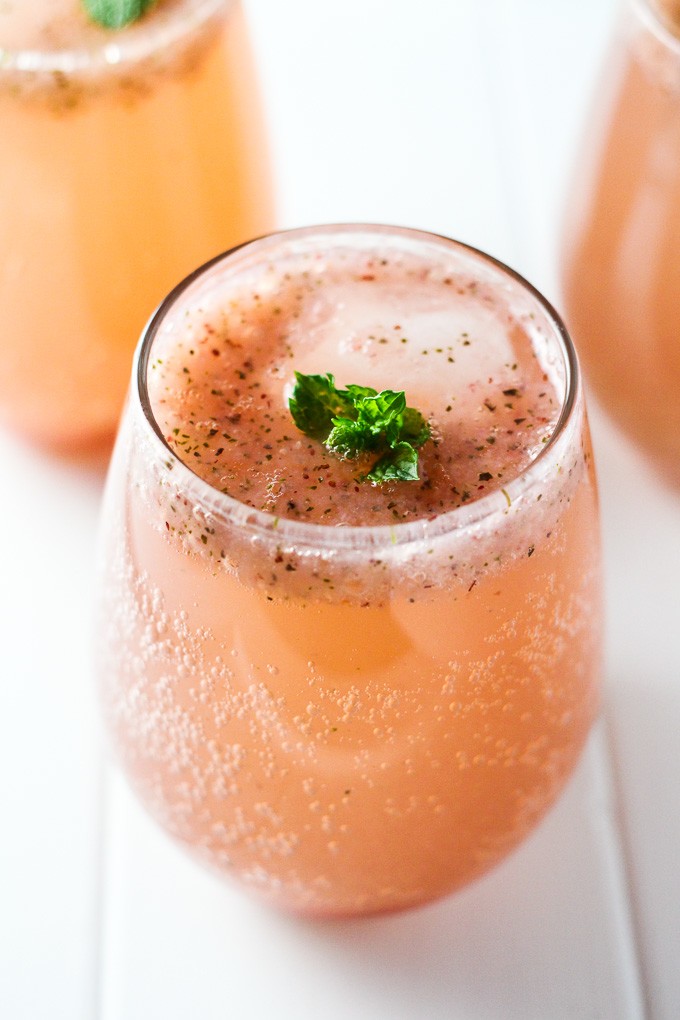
[
  {"x": 359, "y": 422},
  {"x": 116, "y": 13}
]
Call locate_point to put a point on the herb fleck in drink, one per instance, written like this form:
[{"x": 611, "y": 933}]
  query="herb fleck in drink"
[
  {"x": 128, "y": 157},
  {"x": 350, "y": 600}
]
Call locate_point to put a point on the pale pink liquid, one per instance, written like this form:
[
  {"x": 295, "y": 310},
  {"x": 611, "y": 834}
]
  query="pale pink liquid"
[
  {"x": 128, "y": 157},
  {"x": 352, "y": 719},
  {"x": 221, "y": 378},
  {"x": 622, "y": 249}
]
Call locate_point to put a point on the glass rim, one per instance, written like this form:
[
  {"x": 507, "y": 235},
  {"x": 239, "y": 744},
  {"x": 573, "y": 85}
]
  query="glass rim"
[
  {"x": 311, "y": 534},
  {"x": 138, "y": 42}
]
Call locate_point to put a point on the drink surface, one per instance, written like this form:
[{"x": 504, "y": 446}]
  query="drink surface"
[
  {"x": 54, "y": 46},
  {"x": 351, "y": 719},
  {"x": 48, "y": 25},
  {"x": 221, "y": 376},
  {"x": 621, "y": 272},
  {"x": 128, "y": 158}
]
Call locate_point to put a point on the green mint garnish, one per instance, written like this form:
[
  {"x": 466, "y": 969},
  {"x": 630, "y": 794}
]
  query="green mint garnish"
[
  {"x": 360, "y": 422},
  {"x": 314, "y": 403},
  {"x": 116, "y": 13}
]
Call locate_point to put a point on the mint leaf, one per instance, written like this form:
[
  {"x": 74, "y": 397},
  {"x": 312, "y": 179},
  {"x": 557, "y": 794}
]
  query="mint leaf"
[
  {"x": 399, "y": 464},
  {"x": 376, "y": 423},
  {"x": 359, "y": 421},
  {"x": 350, "y": 439},
  {"x": 355, "y": 393},
  {"x": 383, "y": 414},
  {"x": 414, "y": 429},
  {"x": 314, "y": 403},
  {"x": 116, "y": 13},
  {"x": 385, "y": 406}
]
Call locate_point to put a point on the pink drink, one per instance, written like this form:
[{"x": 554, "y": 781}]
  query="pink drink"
[
  {"x": 470, "y": 372},
  {"x": 621, "y": 260},
  {"x": 128, "y": 157},
  {"x": 366, "y": 704}
]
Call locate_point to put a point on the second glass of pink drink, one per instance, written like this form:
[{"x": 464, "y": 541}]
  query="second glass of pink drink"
[
  {"x": 127, "y": 157},
  {"x": 621, "y": 275},
  {"x": 351, "y": 697}
]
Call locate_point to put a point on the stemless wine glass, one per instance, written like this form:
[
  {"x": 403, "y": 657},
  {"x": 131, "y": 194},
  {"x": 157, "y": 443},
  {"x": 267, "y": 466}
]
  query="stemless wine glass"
[
  {"x": 127, "y": 158},
  {"x": 621, "y": 274},
  {"x": 359, "y": 718}
]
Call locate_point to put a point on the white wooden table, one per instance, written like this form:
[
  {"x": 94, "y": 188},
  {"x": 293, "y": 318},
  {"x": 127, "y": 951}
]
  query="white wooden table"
[{"x": 459, "y": 116}]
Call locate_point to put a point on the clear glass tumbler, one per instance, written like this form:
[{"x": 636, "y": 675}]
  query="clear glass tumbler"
[
  {"x": 621, "y": 258},
  {"x": 126, "y": 159},
  {"x": 348, "y": 717}
]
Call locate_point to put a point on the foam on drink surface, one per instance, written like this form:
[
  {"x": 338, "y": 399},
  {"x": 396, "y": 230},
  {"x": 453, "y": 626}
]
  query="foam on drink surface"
[
  {"x": 222, "y": 371},
  {"x": 52, "y": 51}
]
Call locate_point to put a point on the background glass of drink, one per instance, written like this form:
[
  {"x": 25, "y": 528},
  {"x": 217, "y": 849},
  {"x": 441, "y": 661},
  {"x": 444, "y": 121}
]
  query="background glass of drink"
[
  {"x": 126, "y": 159},
  {"x": 352, "y": 718},
  {"x": 621, "y": 273}
]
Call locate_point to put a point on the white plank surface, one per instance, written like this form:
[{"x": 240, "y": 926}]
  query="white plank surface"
[
  {"x": 459, "y": 117},
  {"x": 545, "y": 936},
  {"x": 50, "y": 771},
  {"x": 641, "y": 527}
]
